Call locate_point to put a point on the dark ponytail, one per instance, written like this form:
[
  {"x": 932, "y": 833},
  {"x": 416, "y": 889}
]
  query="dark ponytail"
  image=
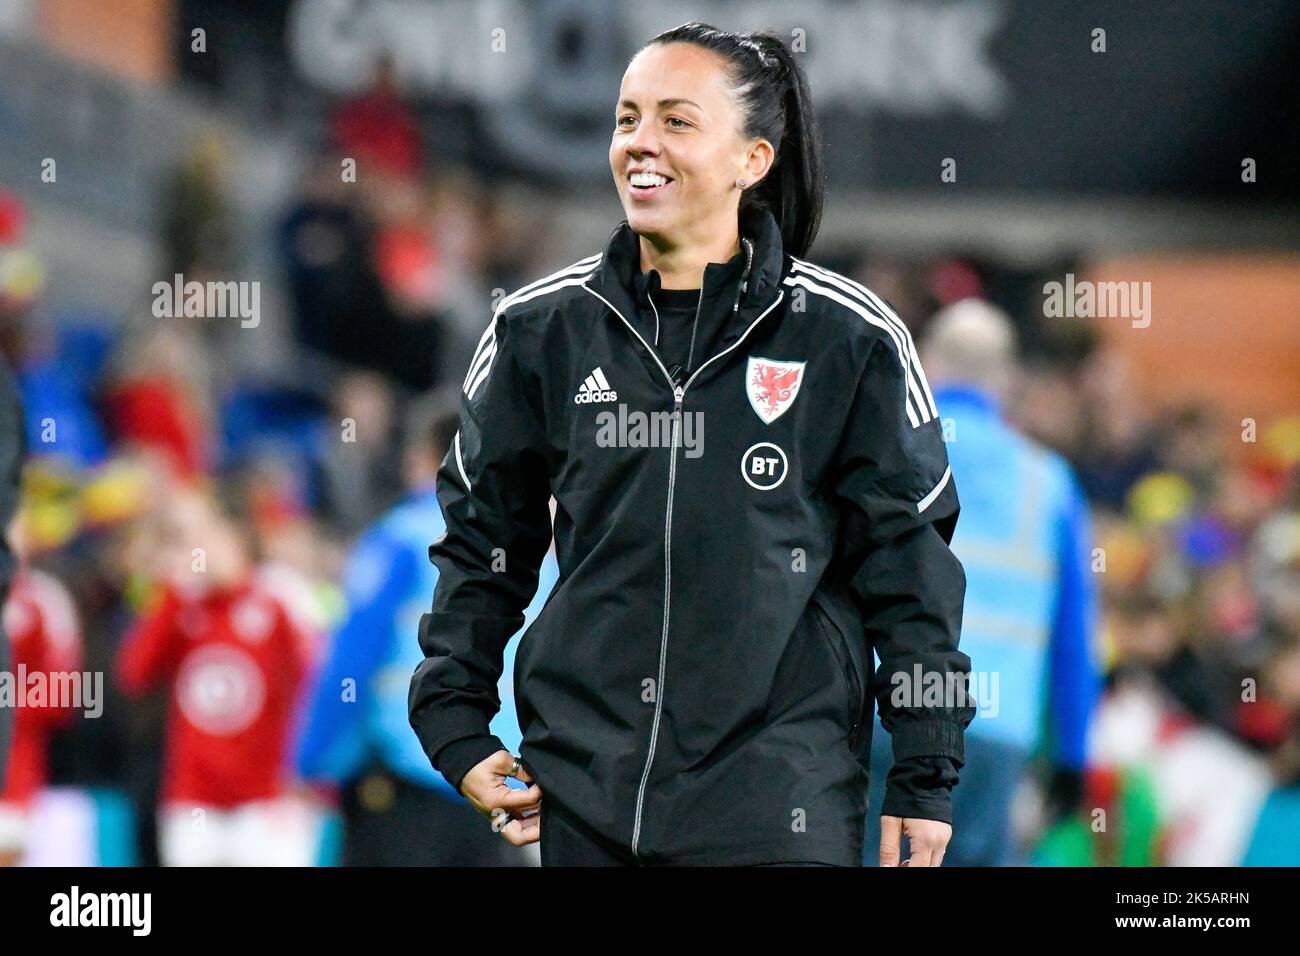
[{"x": 777, "y": 105}]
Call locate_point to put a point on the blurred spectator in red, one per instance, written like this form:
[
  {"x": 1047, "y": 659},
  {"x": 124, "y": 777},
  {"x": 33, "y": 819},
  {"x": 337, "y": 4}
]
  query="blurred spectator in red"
[
  {"x": 368, "y": 271},
  {"x": 409, "y": 260},
  {"x": 1142, "y": 725},
  {"x": 158, "y": 399},
  {"x": 407, "y": 254},
  {"x": 22, "y": 278},
  {"x": 12, "y": 218},
  {"x": 41, "y": 623},
  {"x": 297, "y": 560},
  {"x": 233, "y": 662},
  {"x": 377, "y": 127}
]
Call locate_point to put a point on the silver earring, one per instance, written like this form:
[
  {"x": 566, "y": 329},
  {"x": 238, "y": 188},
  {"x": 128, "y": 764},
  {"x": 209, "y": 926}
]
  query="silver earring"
[{"x": 740, "y": 183}]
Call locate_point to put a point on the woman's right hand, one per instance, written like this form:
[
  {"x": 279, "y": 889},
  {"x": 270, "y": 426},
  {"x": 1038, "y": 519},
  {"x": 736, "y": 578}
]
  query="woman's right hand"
[{"x": 519, "y": 810}]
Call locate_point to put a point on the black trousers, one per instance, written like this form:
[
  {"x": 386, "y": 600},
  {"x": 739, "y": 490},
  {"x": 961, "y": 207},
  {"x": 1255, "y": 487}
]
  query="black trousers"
[
  {"x": 566, "y": 842},
  {"x": 389, "y": 821}
]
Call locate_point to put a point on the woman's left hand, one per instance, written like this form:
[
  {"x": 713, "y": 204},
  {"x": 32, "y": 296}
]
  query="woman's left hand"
[{"x": 927, "y": 838}]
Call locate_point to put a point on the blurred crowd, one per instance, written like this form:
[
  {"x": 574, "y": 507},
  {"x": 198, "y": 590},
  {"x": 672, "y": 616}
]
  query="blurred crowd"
[{"x": 200, "y": 530}]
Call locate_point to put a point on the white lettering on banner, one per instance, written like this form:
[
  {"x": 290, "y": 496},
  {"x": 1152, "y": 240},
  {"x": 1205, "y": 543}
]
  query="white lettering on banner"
[{"x": 566, "y": 59}]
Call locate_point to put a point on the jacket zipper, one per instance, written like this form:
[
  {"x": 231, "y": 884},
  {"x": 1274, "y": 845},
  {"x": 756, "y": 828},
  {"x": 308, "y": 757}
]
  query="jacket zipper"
[
  {"x": 690, "y": 356},
  {"x": 679, "y": 394}
]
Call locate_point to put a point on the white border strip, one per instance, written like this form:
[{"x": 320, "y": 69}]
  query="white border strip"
[
  {"x": 880, "y": 323},
  {"x": 929, "y": 499}
]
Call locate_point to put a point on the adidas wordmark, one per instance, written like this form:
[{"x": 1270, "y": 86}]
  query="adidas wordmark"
[{"x": 595, "y": 389}]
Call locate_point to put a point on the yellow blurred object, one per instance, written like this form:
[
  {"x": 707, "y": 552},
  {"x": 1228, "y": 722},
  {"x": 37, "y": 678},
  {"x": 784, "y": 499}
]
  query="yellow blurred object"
[
  {"x": 51, "y": 513},
  {"x": 1107, "y": 651},
  {"x": 22, "y": 275},
  {"x": 1160, "y": 498},
  {"x": 1281, "y": 441},
  {"x": 59, "y": 503},
  {"x": 48, "y": 476},
  {"x": 50, "y": 524},
  {"x": 116, "y": 492},
  {"x": 331, "y": 604}
]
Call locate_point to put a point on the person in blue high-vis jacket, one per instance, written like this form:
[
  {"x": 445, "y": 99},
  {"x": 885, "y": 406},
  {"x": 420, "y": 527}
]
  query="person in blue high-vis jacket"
[
  {"x": 397, "y": 810},
  {"x": 1030, "y": 616}
]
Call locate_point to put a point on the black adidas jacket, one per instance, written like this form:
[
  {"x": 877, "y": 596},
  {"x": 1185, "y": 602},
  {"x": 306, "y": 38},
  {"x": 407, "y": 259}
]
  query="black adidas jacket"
[{"x": 732, "y": 544}]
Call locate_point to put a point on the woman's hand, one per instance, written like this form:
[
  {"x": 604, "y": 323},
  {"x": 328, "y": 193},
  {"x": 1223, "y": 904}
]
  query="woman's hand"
[
  {"x": 485, "y": 787},
  {"x": 928, "y": 839}
]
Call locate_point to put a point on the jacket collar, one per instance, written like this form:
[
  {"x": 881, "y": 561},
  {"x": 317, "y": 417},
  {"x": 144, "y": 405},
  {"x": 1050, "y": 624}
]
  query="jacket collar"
[{"x": 744, "y": 286}]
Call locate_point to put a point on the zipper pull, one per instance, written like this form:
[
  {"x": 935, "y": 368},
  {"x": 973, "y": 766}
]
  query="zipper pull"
[{"x": 678, "y": 392}]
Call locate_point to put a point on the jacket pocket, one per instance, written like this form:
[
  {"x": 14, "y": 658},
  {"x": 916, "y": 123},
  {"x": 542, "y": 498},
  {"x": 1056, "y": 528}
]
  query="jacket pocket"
[{"x": 855, "y": 698}]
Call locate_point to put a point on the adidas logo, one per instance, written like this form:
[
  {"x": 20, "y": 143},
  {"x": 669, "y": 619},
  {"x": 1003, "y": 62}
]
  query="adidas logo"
[{"x": 595, "y": 389}]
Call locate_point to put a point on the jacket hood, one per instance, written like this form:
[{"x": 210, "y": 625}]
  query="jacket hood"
[{"x": 743, "y": 286}]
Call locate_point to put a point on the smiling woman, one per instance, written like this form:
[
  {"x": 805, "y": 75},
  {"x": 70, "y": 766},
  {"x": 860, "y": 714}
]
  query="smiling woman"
[
  {"x": 735, "y": 131},
  {"x": 680, "y": 695}
]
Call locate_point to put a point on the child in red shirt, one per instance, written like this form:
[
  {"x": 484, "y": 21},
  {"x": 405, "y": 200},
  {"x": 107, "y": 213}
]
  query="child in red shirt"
[
  {"x": 41, "y": 623},
  {"x": 234, "y": 663}
]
